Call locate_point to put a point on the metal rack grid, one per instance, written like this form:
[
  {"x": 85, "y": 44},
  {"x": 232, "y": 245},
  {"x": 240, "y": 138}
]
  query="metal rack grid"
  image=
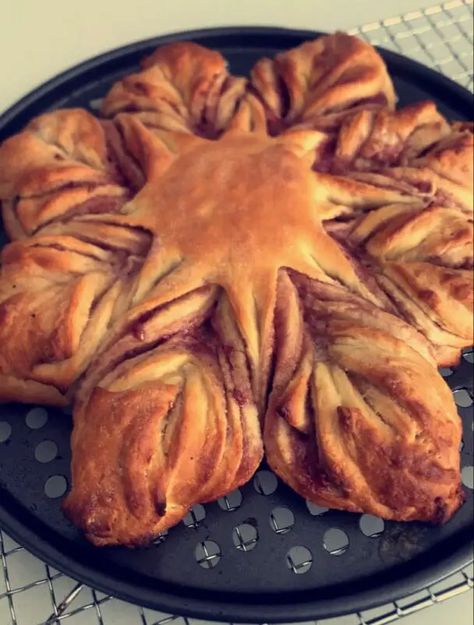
[{"x": 439, "y": 36}]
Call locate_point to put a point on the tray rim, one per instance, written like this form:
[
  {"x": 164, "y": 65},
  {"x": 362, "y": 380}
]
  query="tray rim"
[
  {"x": 198, "y": 604},
  {"x": 201, "y": 606}
]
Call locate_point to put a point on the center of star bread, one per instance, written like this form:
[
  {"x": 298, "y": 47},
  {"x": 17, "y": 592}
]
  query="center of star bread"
[{"x": 234, "y": 205}]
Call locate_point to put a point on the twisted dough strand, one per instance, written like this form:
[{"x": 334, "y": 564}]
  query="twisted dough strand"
[
  {"x": 319, "y": 83},
  {"x": 353, "y": 427},
  {"x": 182, "y": 424}
]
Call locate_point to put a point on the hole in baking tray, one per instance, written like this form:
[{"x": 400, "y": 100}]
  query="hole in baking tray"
[
  {"x": 231, "y": 501},
  {"x": 207, "y": 554},
  {"x": 445, "y": 371},
  {"x": 36, "y": 418},
  {"x": 282, "y": 520},
  {"x": 95, "y": 104},
  {"x": 462, "y": 398},
  {"x": 265, "y": 482},
  {"x": 314, "y": 509},
  {"x": 335, "y": 541},
  {"x": 5, "y": 431},
  {"x": 467, "y": 476},
  {"x": 469, "y": 356},
  {"x": 46, "y": 451},
  {"x": 371, "y": 526},
  {"x": 195, "y": 516},
  {"x": 245, "y": 537},
  {"x": 162, "y": 536},
  {"x": 299, "y": 559},
  {"x": 55, "y": 486}
]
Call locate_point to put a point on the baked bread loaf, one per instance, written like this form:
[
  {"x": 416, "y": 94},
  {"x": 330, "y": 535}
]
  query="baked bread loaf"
[{"x": 219, "y": 268}]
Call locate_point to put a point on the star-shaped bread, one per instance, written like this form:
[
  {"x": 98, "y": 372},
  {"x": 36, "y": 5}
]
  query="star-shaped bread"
[{"x": 221, "y": 268}]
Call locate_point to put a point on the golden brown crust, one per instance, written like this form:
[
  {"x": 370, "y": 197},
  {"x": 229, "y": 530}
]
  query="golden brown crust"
[
  {"x": 385, "y": 138},
  {"x": 321, "y": 82},
  {"x": 182, "y": 87},
  {"x": 371, "y": 439},
  {"x": 57, "y": 167},
  {"x": 413, "y": 149},
  {"x": 215, "y": 260},
  {"x": 422, "y": 258},
  {"x": 419, "y": 247},
  {"x": 177, "y": 436},
  {"x": 58, "y": 295}
]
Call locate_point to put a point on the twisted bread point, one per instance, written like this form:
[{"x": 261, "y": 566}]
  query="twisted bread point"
[
  {"x": 419, "y": 247},
  {"x": 61, "y": 289},
  {"x": 319, "y": 83},
  {"x": 423, "y": 259},
  {"x": 60, "y": 166},
  {"x": 349, "y": 423},
  {"x": 59, "y": 293},
  {"x": 413, "y": 149},
  {"x": 165, "y": 429},
  {"x": 182, "y": 87}
]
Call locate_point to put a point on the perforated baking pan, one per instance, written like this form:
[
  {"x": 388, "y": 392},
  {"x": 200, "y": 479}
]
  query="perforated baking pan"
[{"x": 262, "y": 554}]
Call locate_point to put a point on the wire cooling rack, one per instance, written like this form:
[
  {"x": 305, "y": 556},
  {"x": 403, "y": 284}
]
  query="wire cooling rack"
[
  {"x": 33, "y": 593},
  {"x": 439, "y": 36}
]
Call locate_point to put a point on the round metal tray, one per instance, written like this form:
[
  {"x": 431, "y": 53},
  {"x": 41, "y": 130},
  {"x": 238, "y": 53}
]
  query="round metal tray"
[{"x": 261, "y": 554}]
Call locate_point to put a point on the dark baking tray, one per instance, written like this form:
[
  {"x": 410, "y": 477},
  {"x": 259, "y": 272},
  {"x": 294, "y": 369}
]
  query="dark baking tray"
[{"x": 255, "y": 582}]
